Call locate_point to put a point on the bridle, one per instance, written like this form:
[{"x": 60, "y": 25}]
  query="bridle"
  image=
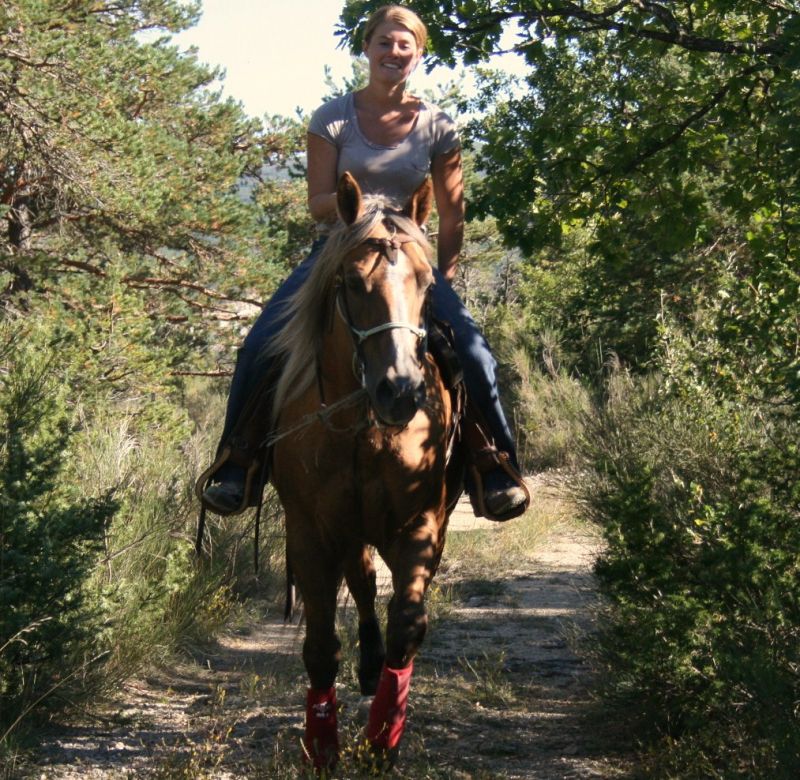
[{"x": 388, "y": 248}]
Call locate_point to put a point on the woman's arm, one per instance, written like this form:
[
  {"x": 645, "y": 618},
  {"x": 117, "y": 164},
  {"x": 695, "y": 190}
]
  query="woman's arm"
[
  {"x": 448, "y": 189},
  {"x": 321, "y": 159}
]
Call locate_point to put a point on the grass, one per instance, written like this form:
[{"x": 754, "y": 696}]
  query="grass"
[
  {"x": 500, "y": 546},
  {"x": 469, "y": 715}
]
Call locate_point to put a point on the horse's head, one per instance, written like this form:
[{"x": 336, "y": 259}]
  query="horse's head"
[{"x": 385, "y": 281}]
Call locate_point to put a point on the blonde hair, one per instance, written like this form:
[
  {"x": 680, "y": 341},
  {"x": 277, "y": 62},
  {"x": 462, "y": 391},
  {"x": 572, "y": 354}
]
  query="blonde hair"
[{"x": 401, "y": 15}]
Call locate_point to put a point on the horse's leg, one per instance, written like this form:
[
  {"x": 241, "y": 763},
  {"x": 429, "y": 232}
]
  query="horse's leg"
[
  {"x": 359, "y": 572},
  {"x": 318, "y": 575},
  {"x": 412, "y": 558}
]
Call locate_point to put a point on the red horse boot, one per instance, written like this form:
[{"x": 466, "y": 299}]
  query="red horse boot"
[
  {"x": 387, "y": 716},
  {"x": 321, "y": 742}
]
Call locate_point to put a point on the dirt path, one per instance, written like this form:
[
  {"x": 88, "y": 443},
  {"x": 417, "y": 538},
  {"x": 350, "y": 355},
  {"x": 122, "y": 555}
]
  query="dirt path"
[{"x": 499, "y": 688}]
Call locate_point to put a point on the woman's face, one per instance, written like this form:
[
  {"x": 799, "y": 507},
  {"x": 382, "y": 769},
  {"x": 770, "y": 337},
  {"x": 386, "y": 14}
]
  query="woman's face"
[{"x": 392, "y": 53}]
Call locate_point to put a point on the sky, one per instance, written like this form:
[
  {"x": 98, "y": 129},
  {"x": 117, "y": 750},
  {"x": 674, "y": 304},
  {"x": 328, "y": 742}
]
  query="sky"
[{"x": 275, "y": 51}]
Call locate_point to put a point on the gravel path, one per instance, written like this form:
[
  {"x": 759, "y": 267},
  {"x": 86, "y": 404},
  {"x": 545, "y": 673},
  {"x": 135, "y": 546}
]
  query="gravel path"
[{"x": 500, "y": 688}]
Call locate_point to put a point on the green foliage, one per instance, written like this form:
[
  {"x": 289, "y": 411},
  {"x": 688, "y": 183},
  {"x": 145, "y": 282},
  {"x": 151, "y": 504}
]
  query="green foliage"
[
  {"x": 700, "y": 506},
  {"x": 143, "y": 219},
  {"x": 50, "y": 532},
  {"x": 134, "y": 196},
  {"x": 665, "y": 133}
]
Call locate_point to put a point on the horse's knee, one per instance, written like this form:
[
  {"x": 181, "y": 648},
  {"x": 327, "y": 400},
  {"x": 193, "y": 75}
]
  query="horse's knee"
[
  {"x": 321, "y": 658},
  {"x": 408, "y": 622}
]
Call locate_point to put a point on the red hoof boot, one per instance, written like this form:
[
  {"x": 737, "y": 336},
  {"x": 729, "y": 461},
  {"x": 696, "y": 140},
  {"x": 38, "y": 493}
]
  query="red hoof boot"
[
  {"x": 387, "y": 716},
  {"x": 321, "y": 742}
]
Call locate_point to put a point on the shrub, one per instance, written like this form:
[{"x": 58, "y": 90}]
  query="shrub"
[
  {"x": 699, "y": 500},
  {"x": 49, "y": 535},
  {"x": 546, "y": 405}
]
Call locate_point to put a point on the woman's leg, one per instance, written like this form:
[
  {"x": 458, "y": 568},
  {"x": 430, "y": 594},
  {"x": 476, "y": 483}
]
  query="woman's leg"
[
  {"x": 477, "y": 362},
  {"x": 251, "y": 365},
  {"x": 504, "y": 495},
  {"x": 252, "y": 368}
]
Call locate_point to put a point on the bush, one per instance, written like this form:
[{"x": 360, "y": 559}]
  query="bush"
[
  {"x": 49, "y": 537},
  {"x": 699, "y": 500},
  {"x": 98, "y": 575},
  {"x": 545, "y": 404}
]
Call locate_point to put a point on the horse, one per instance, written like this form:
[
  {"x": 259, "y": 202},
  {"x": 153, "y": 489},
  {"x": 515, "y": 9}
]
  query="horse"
[{"x": 369, "y": 474}]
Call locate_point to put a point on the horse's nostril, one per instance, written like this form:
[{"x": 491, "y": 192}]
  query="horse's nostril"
[
  {"x": 398, "y": 400},
  {"x": 385, "y": 393}
]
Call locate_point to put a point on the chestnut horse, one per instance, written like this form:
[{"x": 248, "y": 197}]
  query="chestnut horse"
[{"x": 372, "y": 474}]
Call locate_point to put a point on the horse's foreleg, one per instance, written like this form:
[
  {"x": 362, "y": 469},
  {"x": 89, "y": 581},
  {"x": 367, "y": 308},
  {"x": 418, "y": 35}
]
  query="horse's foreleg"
[
  {"x": 359, "y": 572},
  {"x": 412, "y": 558},
  {"x": 318, "y": 580}
]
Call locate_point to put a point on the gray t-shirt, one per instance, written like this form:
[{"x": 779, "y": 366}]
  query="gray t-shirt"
[{"x": 394, "y": 172}]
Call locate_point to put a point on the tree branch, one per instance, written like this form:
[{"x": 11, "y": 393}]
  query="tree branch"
[
  {"x": 604, "y": 20},
  {"x": 148, "y": 282}
]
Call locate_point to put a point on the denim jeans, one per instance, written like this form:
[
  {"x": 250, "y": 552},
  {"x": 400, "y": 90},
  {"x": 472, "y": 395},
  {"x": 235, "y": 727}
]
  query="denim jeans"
[{"x": 476, "y": 358}]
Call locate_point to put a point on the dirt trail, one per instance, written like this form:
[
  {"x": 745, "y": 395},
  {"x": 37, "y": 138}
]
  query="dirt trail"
[{"x": 499, "y": 690}]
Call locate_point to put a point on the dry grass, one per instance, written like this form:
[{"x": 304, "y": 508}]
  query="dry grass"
[{"x": 497, "y": 691}]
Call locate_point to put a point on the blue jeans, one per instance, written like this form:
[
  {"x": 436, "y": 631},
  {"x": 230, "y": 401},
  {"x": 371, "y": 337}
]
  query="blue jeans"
[{"x": 476, "y": 358}]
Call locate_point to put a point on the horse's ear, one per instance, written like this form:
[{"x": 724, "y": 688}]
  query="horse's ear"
[
  {"x": 419, "y": 207},
  {"x": 348, "y": 198}
]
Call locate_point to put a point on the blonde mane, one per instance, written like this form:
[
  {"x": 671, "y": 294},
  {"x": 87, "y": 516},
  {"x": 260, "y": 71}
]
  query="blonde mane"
[{"x": 306, "y": 312}]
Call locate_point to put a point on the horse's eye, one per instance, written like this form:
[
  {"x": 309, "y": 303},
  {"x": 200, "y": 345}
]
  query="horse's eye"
[{"x": 424, "y": 280}]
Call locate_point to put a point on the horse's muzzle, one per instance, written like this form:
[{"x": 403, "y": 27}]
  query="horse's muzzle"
[{"x": 396, "y": 400}]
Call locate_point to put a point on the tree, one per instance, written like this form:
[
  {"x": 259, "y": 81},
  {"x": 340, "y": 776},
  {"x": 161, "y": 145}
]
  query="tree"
[
  {"x": 142, "y": 218},
  {"x": 666, "y": 130},
  {"x": 121, "y": 180}
]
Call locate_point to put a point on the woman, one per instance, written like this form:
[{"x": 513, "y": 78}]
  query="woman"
[{"x": 390, "y": 141}]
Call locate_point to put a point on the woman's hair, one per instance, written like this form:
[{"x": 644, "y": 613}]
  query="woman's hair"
[{"x": 397, "y": 14}]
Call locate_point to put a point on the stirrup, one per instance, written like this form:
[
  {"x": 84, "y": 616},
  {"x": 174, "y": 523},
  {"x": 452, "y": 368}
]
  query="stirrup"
[
  {"x": 483, "y": 462},
  {"x": 252, "y": 473}
]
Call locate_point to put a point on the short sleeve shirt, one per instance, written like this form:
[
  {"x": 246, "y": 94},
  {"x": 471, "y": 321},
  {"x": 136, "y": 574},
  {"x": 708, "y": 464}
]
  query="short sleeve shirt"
[{"x": 393, "y": 172}]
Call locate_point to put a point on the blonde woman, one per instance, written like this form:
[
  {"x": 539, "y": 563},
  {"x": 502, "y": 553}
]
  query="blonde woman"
[{"x": 389, "y": 140}]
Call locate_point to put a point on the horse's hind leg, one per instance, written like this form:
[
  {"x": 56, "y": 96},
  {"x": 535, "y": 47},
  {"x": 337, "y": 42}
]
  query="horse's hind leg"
[{"x": 359, "y": 572}]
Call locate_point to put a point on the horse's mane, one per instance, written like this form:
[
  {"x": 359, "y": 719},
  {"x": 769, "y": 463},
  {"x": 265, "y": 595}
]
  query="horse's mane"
[{"x": 307, "y": 311}]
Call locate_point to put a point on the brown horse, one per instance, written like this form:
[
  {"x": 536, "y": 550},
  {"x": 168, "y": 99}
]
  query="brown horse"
[{"x": 372, "y": 474}]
